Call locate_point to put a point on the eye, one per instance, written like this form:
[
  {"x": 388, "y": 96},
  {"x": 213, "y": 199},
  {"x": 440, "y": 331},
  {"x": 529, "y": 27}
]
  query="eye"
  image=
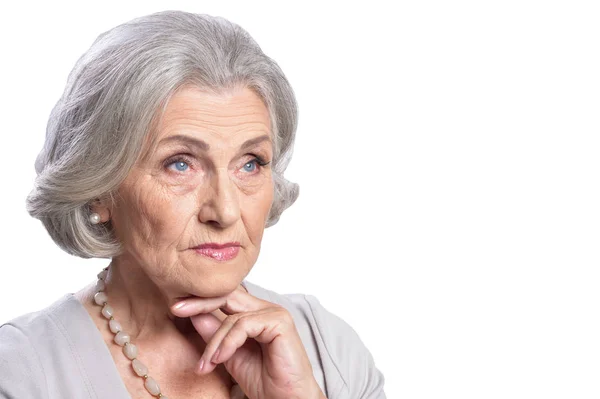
[
  {"x": 254, "y": 164},
  {"x": 251, "y": 166},
  {"x": 178, "y": 165}
]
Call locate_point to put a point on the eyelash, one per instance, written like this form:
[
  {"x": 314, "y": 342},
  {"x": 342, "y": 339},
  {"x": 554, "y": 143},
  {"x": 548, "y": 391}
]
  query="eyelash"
[{"x": 188, "y": 160}]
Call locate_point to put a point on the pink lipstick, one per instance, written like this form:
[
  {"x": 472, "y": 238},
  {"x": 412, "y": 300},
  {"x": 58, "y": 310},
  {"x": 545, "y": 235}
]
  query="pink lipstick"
[{"x": 219, "y": 252}]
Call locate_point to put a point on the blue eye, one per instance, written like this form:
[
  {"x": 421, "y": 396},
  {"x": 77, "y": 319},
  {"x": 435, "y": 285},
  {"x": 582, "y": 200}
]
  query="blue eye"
[
  {"x": 252, "y": 163},
  {"x": 181, "y": 166}
]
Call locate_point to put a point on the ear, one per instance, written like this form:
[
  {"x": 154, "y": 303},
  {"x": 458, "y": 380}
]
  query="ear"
[{"x": 102, "y": 208}]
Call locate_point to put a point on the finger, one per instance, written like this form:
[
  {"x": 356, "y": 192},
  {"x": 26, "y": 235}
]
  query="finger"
[
  {"x": 194, "y": 305},
  {"x": 241, "y": 300},
  {"x": 213, "y": 344},
  {"x": 238, "y": 301},
  {"x": 207, "y": 325}
]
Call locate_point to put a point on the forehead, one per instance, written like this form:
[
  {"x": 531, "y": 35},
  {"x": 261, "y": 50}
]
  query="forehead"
[
  {"x": 227, "y": 109},
  {"x": 232, "y": 115}
]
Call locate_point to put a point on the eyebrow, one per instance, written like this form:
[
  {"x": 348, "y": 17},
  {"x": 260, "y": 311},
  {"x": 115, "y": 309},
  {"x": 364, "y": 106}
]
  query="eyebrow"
[{"x": 203, "y": 145}]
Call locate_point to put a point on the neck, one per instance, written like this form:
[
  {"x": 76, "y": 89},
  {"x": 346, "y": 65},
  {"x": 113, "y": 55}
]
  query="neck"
[{"x": 139, "y": 303}]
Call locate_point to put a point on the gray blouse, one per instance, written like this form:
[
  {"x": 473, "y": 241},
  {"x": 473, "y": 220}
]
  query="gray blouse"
[{"x": 58, "y": 353}]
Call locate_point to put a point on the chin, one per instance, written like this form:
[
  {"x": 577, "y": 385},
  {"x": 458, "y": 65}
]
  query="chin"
[
  {"x": 213, "y": 279},
  {"x": 215, "y": 285}
]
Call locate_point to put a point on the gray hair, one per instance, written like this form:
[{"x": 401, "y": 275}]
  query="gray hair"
[{"x": 113, "y": 96}]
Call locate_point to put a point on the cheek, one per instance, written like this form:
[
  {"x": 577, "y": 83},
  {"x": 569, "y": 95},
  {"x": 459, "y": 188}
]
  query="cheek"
[
  {"x": 256, "y": 211},
  {"x": 151, "y": 216},
  {"x": 262, "y": 199}
]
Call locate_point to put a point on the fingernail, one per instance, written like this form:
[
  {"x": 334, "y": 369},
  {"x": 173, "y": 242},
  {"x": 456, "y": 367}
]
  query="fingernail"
[
  {"x": 201, "y": 365},
  {"x": 215, "y": 356},
  {"x": 179, "y": 305}
]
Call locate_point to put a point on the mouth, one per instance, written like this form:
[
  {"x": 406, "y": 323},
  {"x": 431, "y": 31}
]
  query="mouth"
[{"x": 218, "y": 252}]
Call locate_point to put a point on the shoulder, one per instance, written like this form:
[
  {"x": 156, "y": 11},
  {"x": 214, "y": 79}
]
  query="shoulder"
[
  {"x": 32, "y": 345},
  {"x": 39, "y": 328},
  {"x": 348, "y": 367},
  {"x": 21, "y": 370}
]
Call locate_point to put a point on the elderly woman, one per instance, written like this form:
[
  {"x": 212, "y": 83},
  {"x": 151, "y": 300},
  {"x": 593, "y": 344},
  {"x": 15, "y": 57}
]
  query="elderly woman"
[{"x": 166, "y": 154}]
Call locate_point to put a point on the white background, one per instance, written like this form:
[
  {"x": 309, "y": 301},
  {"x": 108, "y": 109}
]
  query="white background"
[{"x": 447, "y": 154}]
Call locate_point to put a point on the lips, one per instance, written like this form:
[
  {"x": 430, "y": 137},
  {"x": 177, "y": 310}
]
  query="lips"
[{"x": 218, "y": 252}]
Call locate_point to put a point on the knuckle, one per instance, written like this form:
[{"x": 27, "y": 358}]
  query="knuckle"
[
  {"x": 243, "y": 323},
  {"x": 284, "y": 315},
  {"x": 231, "y": 320}
]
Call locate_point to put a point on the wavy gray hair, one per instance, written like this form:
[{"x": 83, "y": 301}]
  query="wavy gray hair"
[{"x": 112, "y": 99}]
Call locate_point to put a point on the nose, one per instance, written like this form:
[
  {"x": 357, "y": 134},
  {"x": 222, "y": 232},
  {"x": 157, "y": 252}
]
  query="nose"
[{"x": 221, "y": 201}]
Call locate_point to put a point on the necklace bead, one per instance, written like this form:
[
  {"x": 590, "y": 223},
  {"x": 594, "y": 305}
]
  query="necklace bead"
[
  {"x": 102, "y": 274},
  {"x": 100, "y": 285},
  {"x": 152, "y": 386},
  {"x": 130, "y": 350},
  {"x": 139, "y": 368},
  {"x": 114, "y": 326},
  {"x": 122, "y": 338},
  {"x": 100, "y": 298},
  {"x": 107, "y": 311}
]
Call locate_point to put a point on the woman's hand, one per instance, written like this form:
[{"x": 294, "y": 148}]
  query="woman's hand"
[{"x": 272, "y": 364}]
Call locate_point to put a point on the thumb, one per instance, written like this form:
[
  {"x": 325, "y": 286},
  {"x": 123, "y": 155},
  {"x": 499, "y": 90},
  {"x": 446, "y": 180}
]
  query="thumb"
[{"x": 206, "y": 324}]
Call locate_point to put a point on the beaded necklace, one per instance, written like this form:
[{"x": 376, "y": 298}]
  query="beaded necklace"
[{"x": 130, "y": 350}]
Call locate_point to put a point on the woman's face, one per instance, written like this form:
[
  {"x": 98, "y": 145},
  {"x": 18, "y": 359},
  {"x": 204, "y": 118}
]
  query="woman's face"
[{"x": 203, "y": 184}]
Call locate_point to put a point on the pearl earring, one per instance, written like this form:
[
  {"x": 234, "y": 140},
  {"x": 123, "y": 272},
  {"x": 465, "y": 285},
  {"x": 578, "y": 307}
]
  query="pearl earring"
[{"x": 95, "y": 218}]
